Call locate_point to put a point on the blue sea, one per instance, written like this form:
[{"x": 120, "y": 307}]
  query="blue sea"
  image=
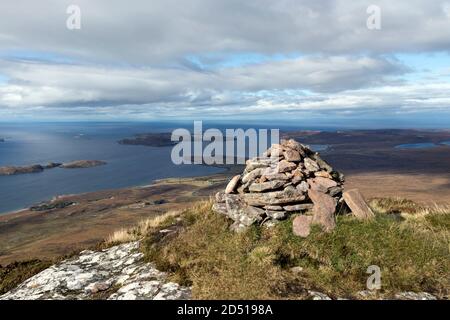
[{"x": 40, "y": 143}]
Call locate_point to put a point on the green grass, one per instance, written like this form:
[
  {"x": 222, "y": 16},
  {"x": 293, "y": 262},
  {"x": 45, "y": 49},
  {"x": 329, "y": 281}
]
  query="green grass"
[{"x": 413, "y": 254}]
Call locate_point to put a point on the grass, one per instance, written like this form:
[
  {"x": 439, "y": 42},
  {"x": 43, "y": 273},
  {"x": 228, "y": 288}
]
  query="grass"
[
  {"x": 141, "y": 229},
  {"x": 410, "y": 243},
  {"x": 411, "y": 248},
  {"x": 17, "y": 272}
]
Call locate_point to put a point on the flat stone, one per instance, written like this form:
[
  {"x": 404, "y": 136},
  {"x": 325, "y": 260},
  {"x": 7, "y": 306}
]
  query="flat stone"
[
  {"x": 277, "y": 215},
  {"x": 301, "y": 226},
  {"x": 232, "y": 185},
  {"x": 321, "y": 184},
  {"x": 253, "y": 164},
  {"x": 322, "y": 163},
  {"x": 235, "y": 206},
  {"x": 310, "y": 165},
  {"x": 292, "y": 144},
  {"x": 265, "y": 186},
  {"x": 274, "y": 208},
  {"x": 286, "y": 196},
  {"x": 275, "y": 151},
  {"x": 244, "y": 188},
  {"x": 355, "y": 201},
  {"x": 323, "y": 174},
  {"x": 298, "y": 207},
  {"x": 271, "y": 175},
  {"x": 302, "y": 187},
  {"x": 252, "y": 175},
  {"x": 297, "y": 176},
  {"x": 285, "y": 166},
  {"x": 252, "y": 215},
  {"x": 292, "y": 155},
  {"x": 334, "y": 191},
  {"x": 323, "y": 210}
]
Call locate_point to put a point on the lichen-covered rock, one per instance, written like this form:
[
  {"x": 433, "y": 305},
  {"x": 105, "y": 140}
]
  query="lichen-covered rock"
[{"x": 117, "y": 273}]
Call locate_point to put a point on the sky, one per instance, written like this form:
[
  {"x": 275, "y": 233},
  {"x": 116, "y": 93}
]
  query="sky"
[{"x": 312, "y": 61}]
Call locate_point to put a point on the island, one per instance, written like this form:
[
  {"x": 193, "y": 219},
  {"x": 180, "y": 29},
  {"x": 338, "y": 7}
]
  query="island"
[
  {"x": 82, "y": 164},
  {"x": 10, "y": 170},
  {"x": 150, "y": 139},
  {"x": 2, "y": 140},
  {"x": 35, "y": 168},
  {"x": 163, "y": 139}
]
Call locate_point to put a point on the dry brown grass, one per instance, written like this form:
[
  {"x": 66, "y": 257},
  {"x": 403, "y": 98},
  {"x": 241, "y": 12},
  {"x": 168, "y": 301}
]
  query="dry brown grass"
[{"x": 143, "y": 228}]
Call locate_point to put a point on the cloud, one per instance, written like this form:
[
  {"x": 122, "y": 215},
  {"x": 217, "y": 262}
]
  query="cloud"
[
  {"x": 33, "y": 84},
  {"x": 166, "y": 30},
  {"x": 224, "y": 57}
]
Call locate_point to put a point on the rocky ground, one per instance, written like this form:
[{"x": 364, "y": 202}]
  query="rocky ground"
[{"x": 117, "y": 273}]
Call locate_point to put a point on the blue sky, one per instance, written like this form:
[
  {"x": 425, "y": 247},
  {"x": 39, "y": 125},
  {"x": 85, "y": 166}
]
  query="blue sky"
[{"x": 306, "y": 61}]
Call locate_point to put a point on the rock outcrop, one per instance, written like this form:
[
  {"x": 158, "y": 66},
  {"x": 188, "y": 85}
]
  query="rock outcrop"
[
  {"x": 289, "y": 178},
  {"x": 117, "y": 273}
]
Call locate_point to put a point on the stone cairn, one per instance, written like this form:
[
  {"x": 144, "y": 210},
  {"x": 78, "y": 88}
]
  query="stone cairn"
[{"x": 288, "y": 179}]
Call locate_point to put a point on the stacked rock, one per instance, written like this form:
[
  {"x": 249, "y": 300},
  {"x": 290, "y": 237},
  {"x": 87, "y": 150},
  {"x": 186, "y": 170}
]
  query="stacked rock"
[{"x": 288, "y": 178}]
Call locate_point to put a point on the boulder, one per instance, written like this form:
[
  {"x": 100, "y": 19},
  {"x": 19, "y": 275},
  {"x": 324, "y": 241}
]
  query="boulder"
[
  {"x": 301, "y": 225},
  {"x": 323, "y": 210},
  {"x": 355, "y": 201}
]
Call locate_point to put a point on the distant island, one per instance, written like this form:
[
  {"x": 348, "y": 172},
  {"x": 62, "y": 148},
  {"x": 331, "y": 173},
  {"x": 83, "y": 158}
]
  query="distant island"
[
  {"x": 2, "y": 140},
  {"x": 35, "y": 168},
  {"x": 150, "y": 139},
  {"x": 163, "y": 139}
]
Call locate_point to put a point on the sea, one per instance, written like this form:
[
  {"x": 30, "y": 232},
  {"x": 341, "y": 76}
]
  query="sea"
[
  {"x": 127, "y": 165},
  {"x": 29, "y": 143}
]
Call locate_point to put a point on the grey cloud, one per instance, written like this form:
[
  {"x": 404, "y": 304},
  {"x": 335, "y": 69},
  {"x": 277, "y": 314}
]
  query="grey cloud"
[
  {"x": 34, "y": 83},
  {"x": 145, "y": 32}
]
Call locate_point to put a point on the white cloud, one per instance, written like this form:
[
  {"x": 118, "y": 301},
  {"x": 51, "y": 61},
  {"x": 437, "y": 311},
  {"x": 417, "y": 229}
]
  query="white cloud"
[{"x": 131, "y": 59}]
